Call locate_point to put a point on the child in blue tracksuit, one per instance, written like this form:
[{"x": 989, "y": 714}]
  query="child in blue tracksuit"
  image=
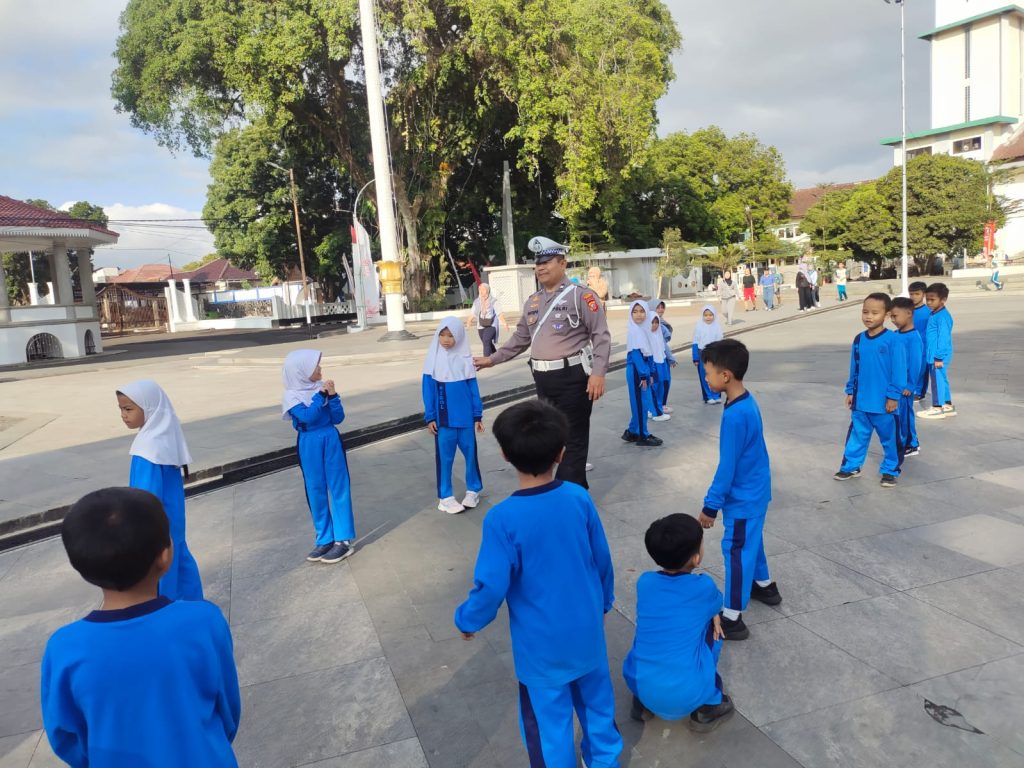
[
  {"x": 708, "y": 331},
  {"x": 672, "y": 668},
  {"x": 314, "y": 408},
  {"x": 921, "y": 315},
  {"x": 742, "y": 487},
  {"x": 666, "y": 335},
  {"x": 939, "y": 352},
  {"x": 878, "y": 377},
  {"x": 639, "y": 376},
  {"x": 158, "y": 455},
  {"x": 144, "y": 680},
  {"x": 903, "y": 318},
  {"x": 451, "y": 408},
  {"x": 659, "y": 364},
  {"x": 543, "y": 552}
]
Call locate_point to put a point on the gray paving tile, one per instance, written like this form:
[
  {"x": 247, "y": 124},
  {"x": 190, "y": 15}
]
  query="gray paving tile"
[
  {"x": 270, "y": 555},
  {"x": 19, "y": 699},
  {"x": 302, "y": 590},
  {"x": 905, "y": 638},
  {"x": 1012, "y": 477},
  {"x": 809, "y": 582},
  {"x": 982, "y": 537},
  {"x": 323, "y": 714},
  {"x": 991, "y": 600},
  {"x": 827, "y": 521},
  {"x": 23, "y": 637},
  {"x": 784, "y": 670},
  {"x": 888, "y": 729},
  {"x": 8, "y": 559},
  {"x": 44, "y": 757},
  {"x": 16, "y": 751},
  {"x": 400, "y": 754}
]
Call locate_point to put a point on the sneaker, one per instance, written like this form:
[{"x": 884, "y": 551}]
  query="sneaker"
[
  {"x": 704, "y": 719},
  {"x": 639, "y": 712},
  {"x": 912, "y": 451},
  {"x": 662, "y": 417},
  {"x": 768, "y": 595},
  {"x": 949, "y": 410},
  {"x": 338, "y": 551},
  {"x": 888, "y": 481},
  {"x": 650, "y": 441},
  {"x": 932, "y": 413},
  {"x": 735, "y": 629},
  {"x": 471, "y": 500},
  {"x": 667, "y": 408},
  {"x": 588, "y": 467},
  {"x": 450, "y": 505},
  {"x": 319, "y": 552},
  {"x": 630, "y": 437},
  {"x": 843, "y": 475},
  {"x": 714, "y": 401}
]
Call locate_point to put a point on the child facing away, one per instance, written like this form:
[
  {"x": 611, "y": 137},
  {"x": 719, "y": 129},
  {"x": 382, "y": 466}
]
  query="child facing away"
[
  {"x": 742, "y": 487},
  {"x": 544, "y": 553},
  {"x": 921, "y": 315},
  {"x": 659, "y": 367},
  {"x": 939, "y": 351},
  {"x": 902, "y": 316},
  {"x": 639, "y": 376},
  {"x": 314, "y": 408},
  {"x": 672, "y": 666},
  {"x": 452, "y": 408},
  {"x": 158, "y": 455},
  {"x": 708, "y": 331},
  {"x": 144, "y": 680},
  {"x": 878, "y": 377},
  {"x": 666, "y": 335}
]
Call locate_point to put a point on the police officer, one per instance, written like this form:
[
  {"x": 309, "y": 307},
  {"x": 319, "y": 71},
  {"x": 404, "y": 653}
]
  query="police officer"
[{"x": 564, "y": 326}]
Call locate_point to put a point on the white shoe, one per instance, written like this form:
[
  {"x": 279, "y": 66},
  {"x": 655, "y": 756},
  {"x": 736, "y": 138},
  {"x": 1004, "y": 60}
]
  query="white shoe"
[
  {"x": 932, "y": 413},
  {"x": 667, "y": 408},
  {"x": 588, "y": 467},
  {"x": 717, "y": 401},
  {"x": 471, "y": 500},
  {"x": 663, "y": 417},
  {"x": 450, "y": 505}
]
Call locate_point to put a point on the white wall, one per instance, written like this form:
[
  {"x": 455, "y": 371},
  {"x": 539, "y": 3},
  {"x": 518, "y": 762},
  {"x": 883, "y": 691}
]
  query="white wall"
[
  {"x": 985, "y": 66},
  {"x": 948, "y": 79},
  {"x": 951, "y": 11},
  {"x": 15, "y": 338}
]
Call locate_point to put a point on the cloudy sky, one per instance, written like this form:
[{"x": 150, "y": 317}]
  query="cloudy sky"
[{"x": 819, "y": 79}]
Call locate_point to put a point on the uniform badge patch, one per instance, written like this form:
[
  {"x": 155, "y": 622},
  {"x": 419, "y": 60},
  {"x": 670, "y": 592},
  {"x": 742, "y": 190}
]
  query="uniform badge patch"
[
  {"x": 591, "y": 301},
  {"x": 558, "y": 326}
]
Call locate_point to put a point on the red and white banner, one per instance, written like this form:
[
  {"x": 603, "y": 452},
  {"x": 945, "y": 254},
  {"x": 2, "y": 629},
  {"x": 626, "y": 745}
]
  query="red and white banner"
[{"x": 990, "y": 238}]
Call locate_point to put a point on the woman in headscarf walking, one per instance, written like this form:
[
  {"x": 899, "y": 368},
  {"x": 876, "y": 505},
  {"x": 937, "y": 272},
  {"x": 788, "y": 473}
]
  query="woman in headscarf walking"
[{"x": 487, "y": 314}]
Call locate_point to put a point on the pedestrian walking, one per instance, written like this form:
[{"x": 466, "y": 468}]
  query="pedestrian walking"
[
  {"x": 749, "y": 291},
  {"x": 487, "y": 315},
  {"x": 727, "y": 293},
  {"x": 841, "y": 282}
]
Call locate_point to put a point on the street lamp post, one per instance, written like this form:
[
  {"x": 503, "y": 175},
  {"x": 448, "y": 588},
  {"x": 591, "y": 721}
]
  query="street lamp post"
[
  {"x": 298, "y": 236},
  {"x": 904, "y": 267}
]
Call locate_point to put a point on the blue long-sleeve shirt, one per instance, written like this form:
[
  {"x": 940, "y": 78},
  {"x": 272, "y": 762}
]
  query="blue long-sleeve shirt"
[
  {"x": 321, "y": 412},
  {"x": 451, "y": 403},
  {"x": 742, "y": 486},
  {"x": 878, "y": 371},
  {"x": 164, "y": 482},
  {"x": 151, "y": 685},
  {"x": 921, "y": 315},
  {"x": 913, "y": 348},
  {"x": 939, "y": 336},
  {"x": 544, "y": 553},
  {"x": 641, "y": 364}
]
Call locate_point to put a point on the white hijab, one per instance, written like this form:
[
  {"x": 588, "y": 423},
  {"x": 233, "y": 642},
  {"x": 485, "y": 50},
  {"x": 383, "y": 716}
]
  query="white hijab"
[
  {"x": 705, "y": 333},
  {"x": 455, "y": 364},
  {"x": 639, "y": 336},
  {"x": 298, "y": 389},
  {"x": 160, "y": 440},
  {"x": 657, "y": 340}
]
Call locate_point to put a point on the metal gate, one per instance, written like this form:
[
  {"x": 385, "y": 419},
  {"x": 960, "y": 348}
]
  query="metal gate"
[{"x": 123, "y": 310}]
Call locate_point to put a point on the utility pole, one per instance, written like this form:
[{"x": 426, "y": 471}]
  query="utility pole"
[
  {"x": 298, "y": 237},
  {"x": 506, "y": 216},
  {"x": 904, "y": 267}
]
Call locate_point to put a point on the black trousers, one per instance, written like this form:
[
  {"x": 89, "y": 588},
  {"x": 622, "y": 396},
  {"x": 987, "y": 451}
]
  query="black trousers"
[
  {"x": 487, "y": 335},
  {"x": 567, "y": 391}
]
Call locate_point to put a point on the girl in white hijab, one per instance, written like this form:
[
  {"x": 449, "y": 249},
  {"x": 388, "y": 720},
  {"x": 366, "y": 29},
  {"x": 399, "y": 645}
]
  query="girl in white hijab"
[
  {"x": 452, "y": 409},
  {"x": 708, "y": 330},
  {"x": 639, "y": 359},
  {"x": 158, "y": 455},
  {"x": 314, "y": 407},
  {"x": 659, "y": 366}
]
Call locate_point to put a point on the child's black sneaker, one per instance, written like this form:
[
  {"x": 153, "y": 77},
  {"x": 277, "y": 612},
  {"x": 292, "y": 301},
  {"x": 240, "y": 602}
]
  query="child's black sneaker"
[
  {"x": 843, "y": 475},
  {"x": 914, "y": 451},
  {"x": 319, "y": 552},
  {"x": 768, "y": 595},
  {"x": 338, "y": 552},
  {"x": 639, "y": 712},
  {"x": 630, "y": 437},
  {"x": 735, "y": 629},
  {"x": 705, "y": 718},
  {"x": 650, "y": 441},
  {"x": 888, "y": 481}
]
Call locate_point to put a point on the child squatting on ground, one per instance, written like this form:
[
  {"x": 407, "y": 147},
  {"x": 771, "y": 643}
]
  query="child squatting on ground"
[
  {"x": 741, "y": 489},
  {"x": 939, "y": 351},
  {"x": 543, "y": 551},
  {"x": 878, "y": 378},
  {"x": 902, "y": 316},
  {"x": 158, "y": 455},
  {"x": 314, "y": 408},
  {"x": 639, "y": 375},
  {"x": 452, "y": 409},
  {"x": 144, "y": 680},
  {"x": 672, "y": 667}
]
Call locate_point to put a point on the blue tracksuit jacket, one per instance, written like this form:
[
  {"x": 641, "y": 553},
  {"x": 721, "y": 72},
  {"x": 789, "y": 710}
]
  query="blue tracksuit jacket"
[
  {"x": 921, "y": 315},
  {"x": 913, "y": 348},
  {"x": 451, "y": 403},
  {"x": 742, "y": 486},
  {"x": 939, "y": 337},
  {"x": 878, "y": 371}
]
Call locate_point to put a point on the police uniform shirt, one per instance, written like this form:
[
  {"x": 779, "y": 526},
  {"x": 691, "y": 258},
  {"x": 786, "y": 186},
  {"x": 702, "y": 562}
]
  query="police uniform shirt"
[{"x": 575, "y": 321}]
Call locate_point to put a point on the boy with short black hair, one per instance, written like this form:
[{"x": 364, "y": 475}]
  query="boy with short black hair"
[
  {"x": 878, "y": 377},
  {"x": 741, "y": 489},
  {"x": 921, "y": 315},
  {"x": 902, "y": 316},
  {"x": 939, "y": 352},
  {"x": 543, "y": 552},
  {"x": 143, "y": 680},
  {"x": 672, "y": 667}
]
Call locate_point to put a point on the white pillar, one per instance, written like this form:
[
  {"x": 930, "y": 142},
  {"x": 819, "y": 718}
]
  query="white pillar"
[
  {"x": 190, "y": 311},
  {"x": 85, "y": 277},
  {"x": 5, "y": 302},
  {"x": 172, "y": 309},
  {"x": 51, "y": 295},
  {"x": 33, "y": 294},
  {"x": 62, "y": 275}
]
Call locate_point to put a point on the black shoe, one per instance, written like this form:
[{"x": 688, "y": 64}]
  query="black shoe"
[
  {"x": 841, "y": 475},
  {"x": 650, "y": 441},
  {"x": 705, "y": 718},
  {"x": 630, "y": 437},
  {"x": 768, "y": 595},
  {"x": 888, "y": 481},
  {"x": 735, "y": 629},
  {"x": 338, "y": 552},
  {"x": 319, "y": 552},
  {"x": 912, "y": 451},
  {"x": 639, "y": 712}
]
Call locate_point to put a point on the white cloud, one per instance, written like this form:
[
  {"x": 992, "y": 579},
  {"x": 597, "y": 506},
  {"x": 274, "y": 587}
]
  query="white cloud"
[{"x": 150, "y": 242}]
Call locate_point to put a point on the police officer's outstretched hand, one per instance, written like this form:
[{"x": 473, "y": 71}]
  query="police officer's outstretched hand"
[
  {"x": 595, "y": 387},
  {"x": 482, "y": 362}
]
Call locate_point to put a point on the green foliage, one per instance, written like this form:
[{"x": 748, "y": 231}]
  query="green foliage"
[
  {"x": 88, "y": 212},
  {"x": 767, "y": 247},
  {"x": 194, "y": 265},
  {"x": 678, "y": 257}
]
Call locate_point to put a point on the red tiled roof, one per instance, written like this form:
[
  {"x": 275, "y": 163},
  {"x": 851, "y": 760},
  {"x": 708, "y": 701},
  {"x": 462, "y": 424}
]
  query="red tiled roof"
[
  {"x": 15, "y": 213},
  {"x": 147, "y": 273},
  {"x": 1011, "y": 149},
  {"x": 217, "y": 270},
  {"x": 803, "y": 199}
]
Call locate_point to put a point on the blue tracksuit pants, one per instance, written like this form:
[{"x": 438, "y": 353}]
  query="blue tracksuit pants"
[
  {"x": 325, "y": 475},
  {"x": 545, "y": 722},
  {"x": 745, "y": 561},
  {"x": 908, "y": 423},
  {"x": 445, "y": 443},
  {"x": 858, "y": 437},
  {"x": 639, "y": 401},
  {"x": 705, "y": 390},
  {"x": 940, "y": 384}
]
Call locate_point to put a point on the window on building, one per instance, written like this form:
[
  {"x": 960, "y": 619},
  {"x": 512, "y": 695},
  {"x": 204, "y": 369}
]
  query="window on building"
[
  {"x": 912, "y": 153},
  {"x": 967, "y": 103},
  {"x": 966, "y": 145}
]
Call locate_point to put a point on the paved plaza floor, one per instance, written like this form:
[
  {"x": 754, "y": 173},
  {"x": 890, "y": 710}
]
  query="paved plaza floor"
[{"x": 900, "y": 641}]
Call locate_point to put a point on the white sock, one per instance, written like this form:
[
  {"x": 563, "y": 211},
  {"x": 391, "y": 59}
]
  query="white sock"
[
  {"x": 765, "y": 583},
  {"x": 730, "y": 614}
]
